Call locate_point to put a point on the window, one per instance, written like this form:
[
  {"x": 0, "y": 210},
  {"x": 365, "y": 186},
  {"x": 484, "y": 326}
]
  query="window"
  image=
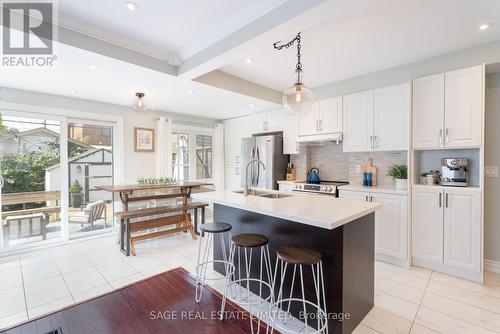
[
  {"x": 203, "y": 157},
  {"x": 180, "y": 156}
]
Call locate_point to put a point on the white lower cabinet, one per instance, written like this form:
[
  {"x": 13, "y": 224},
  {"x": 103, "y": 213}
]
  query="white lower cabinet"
[
  {"x": 447, "y": 230},
  {"x": 391, "y": 224}
]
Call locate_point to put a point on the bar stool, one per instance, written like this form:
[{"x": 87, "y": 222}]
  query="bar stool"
[
  {"x": 301, "y": 258},
  {"x": 205, "y": 247},
  {"x": 246, "y": 243}
]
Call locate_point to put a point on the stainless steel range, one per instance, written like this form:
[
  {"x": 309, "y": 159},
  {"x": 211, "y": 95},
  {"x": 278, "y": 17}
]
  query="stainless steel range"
[{"x": 324, "y": 187}]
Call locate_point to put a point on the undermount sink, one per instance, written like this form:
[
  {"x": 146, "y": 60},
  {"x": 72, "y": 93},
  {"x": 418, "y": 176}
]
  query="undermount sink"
[
  {"x": 275, "y": 195},
  {"x": 252, "y": 192},
  {"x": 260, "y": 193}
]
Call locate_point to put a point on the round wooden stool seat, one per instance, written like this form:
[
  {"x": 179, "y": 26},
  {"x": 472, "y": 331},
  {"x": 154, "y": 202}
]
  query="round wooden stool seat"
[
  {"x": 296, "y": 255},
  {"x": 216, "y": 227},
  {"x": 250, "y": 240}
]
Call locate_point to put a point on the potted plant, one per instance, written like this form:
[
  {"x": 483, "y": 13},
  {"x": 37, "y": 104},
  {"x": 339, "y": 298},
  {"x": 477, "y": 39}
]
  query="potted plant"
[
  {"x": 400, "y": 174},
  {"x": 76, "y": 195}
]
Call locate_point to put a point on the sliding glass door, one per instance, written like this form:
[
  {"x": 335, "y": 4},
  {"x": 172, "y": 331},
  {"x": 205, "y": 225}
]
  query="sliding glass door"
[
  {"x": 90, "y": 165},
  {"x": 30, "y": 201},
  {"x": 51, "y": 168}
]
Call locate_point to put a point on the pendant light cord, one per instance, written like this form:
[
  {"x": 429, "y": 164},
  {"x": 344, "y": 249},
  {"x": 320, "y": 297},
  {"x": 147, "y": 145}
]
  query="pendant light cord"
[{"x": 278, "y": 46}]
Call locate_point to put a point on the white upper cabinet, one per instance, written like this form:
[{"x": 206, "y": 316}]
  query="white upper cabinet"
[
  {"x": 428, "y": 107},
  {"x": 448, "y": 109},
  {"x": 391, "y": 118},
  {"x": 463, "y": 116},
  {"x": 308, "y": 122},
  {"x": 462, "y": 228},
  {"x": 268, "y": 121},
  {"x": 330, "y": 115},
  {"x": 275, "y": 120},
  {"x": 358, "y": 122},
  {"x": 324, "y": 117},
  {"x": 427, "y": 224}
]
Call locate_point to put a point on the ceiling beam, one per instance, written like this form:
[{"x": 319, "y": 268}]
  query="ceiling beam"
[
  {"x": 235, "y": 84},
  {"x": 86, "y": 42}
]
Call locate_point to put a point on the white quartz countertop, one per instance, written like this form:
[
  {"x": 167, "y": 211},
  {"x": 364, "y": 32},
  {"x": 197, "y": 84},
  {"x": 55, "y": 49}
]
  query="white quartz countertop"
[{"x": 316, "y": 210}]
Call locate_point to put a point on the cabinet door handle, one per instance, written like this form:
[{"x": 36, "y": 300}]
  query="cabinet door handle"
[
  {"x": 446, "y": 200},
  {"x": 371, "y": 141},
  {"x": 371, "y": 198},
  {"x": 366, "y": 198},
  {"x": 374, "y": 141},
  {"x": 320, "y": 125},
  {"x": 447, "y": 138},
  {"x": 440, "y": 200},
  {"x": 440, "y": 136}
]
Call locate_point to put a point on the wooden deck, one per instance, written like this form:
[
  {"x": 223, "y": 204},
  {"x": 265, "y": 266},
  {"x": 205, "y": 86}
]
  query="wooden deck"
[{"x": 131, "y": 309}]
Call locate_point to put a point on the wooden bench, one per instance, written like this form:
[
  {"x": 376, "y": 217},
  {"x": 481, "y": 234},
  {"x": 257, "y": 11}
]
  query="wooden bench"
[
  {"x": 32, "y": 197},
  {"x": 177, "y": 216}
]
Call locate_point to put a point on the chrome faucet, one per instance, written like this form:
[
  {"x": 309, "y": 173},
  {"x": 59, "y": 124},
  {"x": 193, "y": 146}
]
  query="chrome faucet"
[{"x": 245, "y": 190}]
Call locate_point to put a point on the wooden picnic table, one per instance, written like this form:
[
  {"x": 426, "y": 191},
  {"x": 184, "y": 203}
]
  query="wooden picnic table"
[
  {"x": 126, "y": 191},
  {"x": 136, "y": 193}
]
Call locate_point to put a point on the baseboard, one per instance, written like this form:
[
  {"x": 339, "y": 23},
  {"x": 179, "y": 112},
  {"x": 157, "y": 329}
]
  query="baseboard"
[{"x": 493, "y": 266}]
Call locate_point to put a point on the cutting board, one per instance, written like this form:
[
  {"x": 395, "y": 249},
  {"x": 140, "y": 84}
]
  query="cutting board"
[{"x": 369, "y": 168}]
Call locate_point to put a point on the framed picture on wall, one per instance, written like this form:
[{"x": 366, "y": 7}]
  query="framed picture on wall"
[{"x": 144, "y": 140}]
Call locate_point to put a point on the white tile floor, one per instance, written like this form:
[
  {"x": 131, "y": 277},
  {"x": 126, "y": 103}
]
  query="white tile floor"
[{"x": 415, "y": 301}]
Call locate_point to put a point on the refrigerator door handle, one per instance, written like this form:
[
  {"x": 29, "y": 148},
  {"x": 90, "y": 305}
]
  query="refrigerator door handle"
[{"x": 258, "y": 168}]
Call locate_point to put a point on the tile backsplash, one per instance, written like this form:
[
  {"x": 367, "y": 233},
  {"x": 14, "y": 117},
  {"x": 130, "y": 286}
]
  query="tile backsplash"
[{"x": 335, "y": 165}]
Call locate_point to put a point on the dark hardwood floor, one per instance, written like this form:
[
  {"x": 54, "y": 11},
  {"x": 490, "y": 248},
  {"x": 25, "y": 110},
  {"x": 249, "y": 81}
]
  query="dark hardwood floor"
[{"x": 142, "y": 308}]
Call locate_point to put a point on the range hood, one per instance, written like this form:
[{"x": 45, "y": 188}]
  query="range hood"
[{"x": 319, "y": 139}]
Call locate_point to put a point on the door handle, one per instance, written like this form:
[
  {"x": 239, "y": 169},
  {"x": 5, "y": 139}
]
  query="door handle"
[
  {"x": 440, "y": 200},
  {"x": 371, "y": 141},
  {"x": 440, "y": 136},
  {"x": 371, "y": 198},
  {"x": 320, "y": 125},
  {"x": 446, "y": 200},
  {"x": 366, "y": 198},
  {"x": 317, "y": 125},
  {"x": 374, "y": 141},
  {"x": 447, "y": 138}
]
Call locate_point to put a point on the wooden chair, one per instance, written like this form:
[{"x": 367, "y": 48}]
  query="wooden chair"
[{"x": 89, "y": 214}]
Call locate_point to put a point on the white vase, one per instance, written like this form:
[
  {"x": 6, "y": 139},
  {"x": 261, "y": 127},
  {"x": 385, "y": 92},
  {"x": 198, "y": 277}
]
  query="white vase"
[{"x": 401, "y": 183}]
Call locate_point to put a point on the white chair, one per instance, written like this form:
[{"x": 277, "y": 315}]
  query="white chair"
[{"x": 89, "y": 214}]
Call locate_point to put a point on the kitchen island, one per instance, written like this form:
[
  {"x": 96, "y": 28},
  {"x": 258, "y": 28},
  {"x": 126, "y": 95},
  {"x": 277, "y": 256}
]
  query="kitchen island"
[{"x": 341, "y": 229}]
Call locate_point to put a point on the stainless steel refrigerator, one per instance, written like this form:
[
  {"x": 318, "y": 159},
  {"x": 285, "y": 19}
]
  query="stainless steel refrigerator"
[{"x": 268, "y": 149}]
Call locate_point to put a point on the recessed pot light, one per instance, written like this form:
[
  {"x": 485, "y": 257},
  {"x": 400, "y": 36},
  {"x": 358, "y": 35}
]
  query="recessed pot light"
[
  {"x": 131, "y": 5},
  {"x": 249, "y": 60},
  {"x": 93, "y": 67},
  {"x": 485, "y": 26},
  {"x": 252, "y": 105},
  {"x": 72, "y": 91}
]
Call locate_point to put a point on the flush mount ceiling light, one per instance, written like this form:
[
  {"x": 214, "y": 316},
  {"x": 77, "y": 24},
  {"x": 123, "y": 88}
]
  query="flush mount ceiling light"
[
  {"x": 485, "y": 26},
  {"x": 139, "y": 103},
  {"x": 93, "y": 67},
  {"x": 131, "y": 5},
  {"x": 190, "y": 91},
  {"x": 249, "y": 61},
  {"x": 297, "y": 99}
]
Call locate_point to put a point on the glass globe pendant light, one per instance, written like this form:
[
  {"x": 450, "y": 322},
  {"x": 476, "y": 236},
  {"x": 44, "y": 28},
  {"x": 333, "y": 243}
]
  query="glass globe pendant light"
[{"x": 297, "y": 99}]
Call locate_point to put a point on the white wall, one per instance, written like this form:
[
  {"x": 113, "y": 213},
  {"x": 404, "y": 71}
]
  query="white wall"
[
  {"x": 492, "y": 158},
  {"x": 137, "y": 164}
]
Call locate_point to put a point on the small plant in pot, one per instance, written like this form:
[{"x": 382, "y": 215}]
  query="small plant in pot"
[
  {"x": 400, "y": 174},
  {"x": 76, "y": 195}
]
